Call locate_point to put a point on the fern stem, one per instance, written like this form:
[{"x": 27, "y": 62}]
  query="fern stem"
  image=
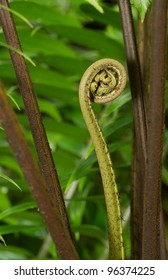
[
  {"x": 35, "y": 179},
  {"x": 139, "y": 130},
  {"x": 152, "y": 191},
  {"x": 33, "y": 113}
]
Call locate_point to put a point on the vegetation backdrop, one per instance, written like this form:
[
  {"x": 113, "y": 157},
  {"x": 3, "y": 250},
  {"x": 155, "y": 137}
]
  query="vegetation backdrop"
[{"x": 63, "y": 38}]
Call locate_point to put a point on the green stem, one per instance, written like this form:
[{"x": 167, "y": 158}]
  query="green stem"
[{"x": 93, "y": 86}]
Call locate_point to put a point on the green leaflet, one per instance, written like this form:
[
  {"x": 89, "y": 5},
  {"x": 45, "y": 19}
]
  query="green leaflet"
[
  {"x": 43, "y": 14},
  {"x": 17, "y": 209},
  {"x": 2, "y": 239},
  {"x": 18, "y": 52},
  {"x": 18, "y": 228},
  {"x": 14, "y": 101},
  {"x": 91, "y": 231},
  {"x": 109, "y": 16},
  {"x": 96, "y": 4},
  {"x": 14, "y": 253},
  {"x": 10, "y": 180},
  {"x": 91, "y": 39},
  {"x": 17, "y": 14},
  {"x": 141, "y": 6}
]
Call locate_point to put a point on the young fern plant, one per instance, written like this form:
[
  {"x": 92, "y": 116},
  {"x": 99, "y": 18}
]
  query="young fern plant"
[{"x": 102, "y": 82}]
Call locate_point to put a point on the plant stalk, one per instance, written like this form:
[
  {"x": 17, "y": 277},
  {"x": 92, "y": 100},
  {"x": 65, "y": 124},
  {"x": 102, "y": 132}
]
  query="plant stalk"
[
  {"x": 152, "y": 191},
  {"x": 144, "y": 47},
  {"x": 36, "y": 182},
  {"x": 139, "y": 129},
  {"x": 34, "y": 115}
]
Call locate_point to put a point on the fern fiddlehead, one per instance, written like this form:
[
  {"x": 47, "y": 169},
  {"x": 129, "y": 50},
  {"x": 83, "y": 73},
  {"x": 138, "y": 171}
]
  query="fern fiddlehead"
[{"x": 102, "y": 82}]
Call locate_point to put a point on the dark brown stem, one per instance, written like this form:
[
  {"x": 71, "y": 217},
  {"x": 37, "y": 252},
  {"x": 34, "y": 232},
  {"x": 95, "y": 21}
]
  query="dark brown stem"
[
  {"x": 162, "y": 237},
  {"x": 33, "y": 113},
  {"x": 152, "y": 192},
  {"x": 36, "y": 182},
  {"x": 140, "y": 126},
  {"x": 144, "y": 47}
]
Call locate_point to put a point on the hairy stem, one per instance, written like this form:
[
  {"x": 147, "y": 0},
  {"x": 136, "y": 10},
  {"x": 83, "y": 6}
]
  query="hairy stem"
[
  {"x": 36, "y": 182},
  {"x": 102, "y": 82},
  {"x": 140, "y": 127},
  {"x": 152, "y": 192},
  {"x": 144, "y": 47},
  {"x": 33, "y": 113}
]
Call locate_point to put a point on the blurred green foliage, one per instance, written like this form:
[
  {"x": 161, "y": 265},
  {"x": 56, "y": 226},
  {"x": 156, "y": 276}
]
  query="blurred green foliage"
[{"x": 67, "y": 36}]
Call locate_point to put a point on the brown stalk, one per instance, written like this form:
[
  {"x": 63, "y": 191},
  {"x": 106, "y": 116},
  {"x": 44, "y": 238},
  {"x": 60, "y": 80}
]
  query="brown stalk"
[
  {"x": 152, "y": 191},
  {"x": 36, "y": 182},
  {"x": 144, "y": 47},
  {"x": 33, "y": 113},
  {"x": 139, "y": 130}
]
